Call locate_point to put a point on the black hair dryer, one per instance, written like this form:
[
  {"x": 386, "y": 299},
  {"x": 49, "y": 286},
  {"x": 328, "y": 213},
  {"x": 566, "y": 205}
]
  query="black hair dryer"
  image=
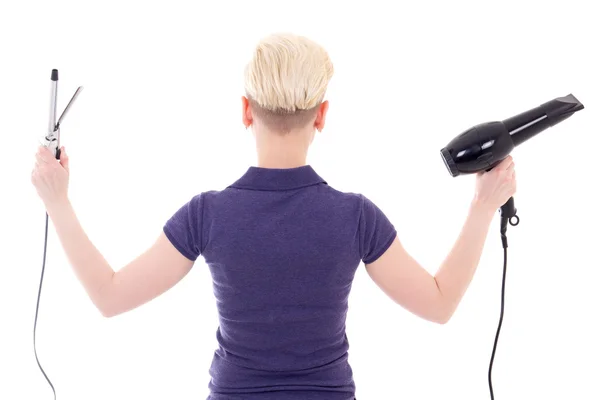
[{"x": 484, "y": 146}]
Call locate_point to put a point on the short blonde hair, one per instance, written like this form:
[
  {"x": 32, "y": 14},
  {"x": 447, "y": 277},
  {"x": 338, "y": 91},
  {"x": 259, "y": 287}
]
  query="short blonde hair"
[{"x": 286, "y": 80}]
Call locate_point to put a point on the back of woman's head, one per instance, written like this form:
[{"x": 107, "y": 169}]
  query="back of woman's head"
[{"x": 286, "y": 81}]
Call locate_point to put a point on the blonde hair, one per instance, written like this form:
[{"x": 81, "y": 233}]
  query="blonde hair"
[{"x": 286, "y": 80}]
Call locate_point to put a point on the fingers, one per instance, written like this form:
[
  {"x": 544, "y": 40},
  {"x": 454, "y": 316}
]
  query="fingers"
[
  {"x": 44, "y": 155},
  {"x": 510, "y": 169},
  {"x": 39, "y": 160},
  {"x": 507, "y": 163},
  {"x": 43, "y": 162},
  {"x": 64, "y": 158}
]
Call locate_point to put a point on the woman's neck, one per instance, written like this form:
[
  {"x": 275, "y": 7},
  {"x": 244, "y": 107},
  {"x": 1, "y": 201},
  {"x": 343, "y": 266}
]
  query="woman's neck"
[
  {"x": 282, "y": 151},
  {"x": 280, "y": 160}
]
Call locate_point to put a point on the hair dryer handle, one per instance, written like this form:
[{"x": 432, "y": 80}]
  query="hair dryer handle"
[
  {"x": 508, "y": 210},
  {"x": 508, "y": 214}
]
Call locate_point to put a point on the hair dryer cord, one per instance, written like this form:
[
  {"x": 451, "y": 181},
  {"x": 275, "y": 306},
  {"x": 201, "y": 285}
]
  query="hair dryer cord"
[{"x": 504, "y": 221}]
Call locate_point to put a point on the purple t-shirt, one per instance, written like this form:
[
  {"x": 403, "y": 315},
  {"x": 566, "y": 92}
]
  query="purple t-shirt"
[{"x": 282, "y": 247}]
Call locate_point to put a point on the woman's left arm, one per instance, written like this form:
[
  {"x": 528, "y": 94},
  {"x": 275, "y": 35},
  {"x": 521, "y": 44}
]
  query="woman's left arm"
[{"x": 152, "y": 273}]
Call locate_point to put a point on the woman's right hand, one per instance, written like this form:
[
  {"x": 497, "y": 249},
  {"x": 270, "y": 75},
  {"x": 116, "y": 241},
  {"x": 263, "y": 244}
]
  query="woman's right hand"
[{"x": 495, "y": 187}]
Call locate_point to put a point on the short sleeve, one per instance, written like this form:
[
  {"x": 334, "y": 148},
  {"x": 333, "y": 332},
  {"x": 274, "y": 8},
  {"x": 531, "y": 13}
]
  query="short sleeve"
[
  {"x": 184, "y": 228},
  {"x": 377, "y": 233}
]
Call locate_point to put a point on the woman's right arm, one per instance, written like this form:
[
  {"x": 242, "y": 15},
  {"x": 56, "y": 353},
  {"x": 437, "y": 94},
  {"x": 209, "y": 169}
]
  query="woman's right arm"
[{"x": 436, "y": 298}]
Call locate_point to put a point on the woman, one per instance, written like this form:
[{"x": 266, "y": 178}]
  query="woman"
[{"x": 281, "y": 244}]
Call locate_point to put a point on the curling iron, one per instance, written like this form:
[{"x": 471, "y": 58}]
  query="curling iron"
[{"x": 52, "y": 141}]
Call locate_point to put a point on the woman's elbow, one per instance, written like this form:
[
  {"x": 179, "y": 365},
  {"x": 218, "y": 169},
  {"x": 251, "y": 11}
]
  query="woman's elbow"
[
  {"x": 442, "y": 319},
  {"x": 442, "y": 314},
  {"x": 435, "y": 313},
  {"x": 108, "y": 307},
  {"x": 104, "y": 299},
  {"x": 112, "y": 309},
  {"x": 108, "y": 313}
]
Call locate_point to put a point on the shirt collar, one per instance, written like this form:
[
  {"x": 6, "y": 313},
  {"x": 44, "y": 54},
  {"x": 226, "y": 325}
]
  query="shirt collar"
[{"x": 276, "y": 179}]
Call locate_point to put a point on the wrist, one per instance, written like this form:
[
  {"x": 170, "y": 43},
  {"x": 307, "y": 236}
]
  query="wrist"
[
  {"x": 481, "y": 209},
  {"x": 58, "y": 207}
]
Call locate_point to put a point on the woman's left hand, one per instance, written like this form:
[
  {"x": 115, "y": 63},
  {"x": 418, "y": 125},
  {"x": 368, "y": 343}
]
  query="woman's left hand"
[{"x": 51, "y": 177}]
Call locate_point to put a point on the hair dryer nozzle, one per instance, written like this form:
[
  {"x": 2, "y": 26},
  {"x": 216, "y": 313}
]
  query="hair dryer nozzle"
[
  {"x": 561, "y": 108},
  {"x": 528, "y": 124}
]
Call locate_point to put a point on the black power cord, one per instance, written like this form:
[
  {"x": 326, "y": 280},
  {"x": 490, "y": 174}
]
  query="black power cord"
[
  {"x": 38, "y": 306},
  {"x": 499, "y": 326},
  {"x": 503, "y": 225}
]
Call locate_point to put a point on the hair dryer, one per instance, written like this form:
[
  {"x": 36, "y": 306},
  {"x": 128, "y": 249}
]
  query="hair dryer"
[{"x": 484, "y": 146}]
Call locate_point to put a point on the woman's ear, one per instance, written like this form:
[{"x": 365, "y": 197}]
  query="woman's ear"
[
  {"x": 321, "y": 114},
  {"x": 246, "y": 112}
]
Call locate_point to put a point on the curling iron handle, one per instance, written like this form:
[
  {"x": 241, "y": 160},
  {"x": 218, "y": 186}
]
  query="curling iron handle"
[
  {"x": 51, "y": 142},
  {"x": 52, "y": 145}
]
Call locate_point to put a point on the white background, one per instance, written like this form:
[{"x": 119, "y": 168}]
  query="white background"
[{"x": 159, "y": 120}]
